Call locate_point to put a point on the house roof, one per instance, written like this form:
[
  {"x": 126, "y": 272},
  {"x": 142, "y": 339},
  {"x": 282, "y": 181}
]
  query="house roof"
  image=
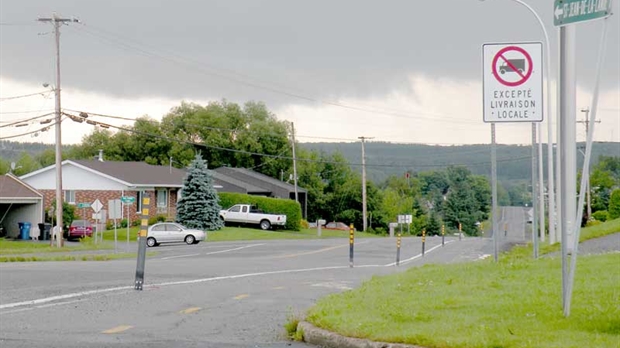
[
  {"x": 138, "y": 173},
  {"x": 128, "y": 173},
  {"x": 223, "y": 180},
  {"x": 12, "y": 187},
  {"x": 243, "y": 174}
]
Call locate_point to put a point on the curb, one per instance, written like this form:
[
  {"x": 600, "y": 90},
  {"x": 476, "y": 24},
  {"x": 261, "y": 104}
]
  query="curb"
[{"x": 328, "y": 339}]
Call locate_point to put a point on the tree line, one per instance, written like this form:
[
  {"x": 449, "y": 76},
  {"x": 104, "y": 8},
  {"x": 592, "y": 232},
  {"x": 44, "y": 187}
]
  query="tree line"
[{"x": 250, "y": 136}]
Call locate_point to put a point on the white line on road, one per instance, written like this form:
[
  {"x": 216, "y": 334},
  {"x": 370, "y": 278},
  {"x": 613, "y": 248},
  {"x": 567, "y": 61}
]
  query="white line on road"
[
  {"x": 211, "y": 253},
  {"x": 194, "y": 281},
  {"x": 418, "y": 255}
]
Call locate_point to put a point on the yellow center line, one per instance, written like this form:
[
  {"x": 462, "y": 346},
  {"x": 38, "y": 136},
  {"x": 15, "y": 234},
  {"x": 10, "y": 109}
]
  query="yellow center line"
[
  {"x": 117, "y": 329},
  {"x": 190, "y": 310},
  {"x": 241, "y": 297},
  {"x": 312, "y": 252}
]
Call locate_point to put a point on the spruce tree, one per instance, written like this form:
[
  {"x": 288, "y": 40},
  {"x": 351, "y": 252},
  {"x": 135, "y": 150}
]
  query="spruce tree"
[{"x": 199, "y": 205}]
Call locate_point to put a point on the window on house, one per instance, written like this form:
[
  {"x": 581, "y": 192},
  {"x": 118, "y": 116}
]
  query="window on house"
[
  {"x": 70, "y": 196},
  {"x": 162, "y": 198}
]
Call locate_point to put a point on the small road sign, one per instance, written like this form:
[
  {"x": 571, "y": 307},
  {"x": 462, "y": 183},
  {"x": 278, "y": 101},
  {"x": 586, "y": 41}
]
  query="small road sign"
[
  {"x": 83, "y": 205},
  {"x": 512, "y": 82},
  {"x": 573, "y": 11},
  {"x": 128, "y": 199},
  {"x": 97, "y": 205}
]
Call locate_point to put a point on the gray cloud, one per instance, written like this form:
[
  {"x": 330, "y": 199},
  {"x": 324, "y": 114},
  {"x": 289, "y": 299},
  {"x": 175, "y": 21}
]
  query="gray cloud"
[{"x": 317, "y": 49}]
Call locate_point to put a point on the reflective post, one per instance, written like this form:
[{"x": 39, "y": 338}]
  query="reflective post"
[
  {"x": 142, "y": 242},
  {"x": 398, "y": 245},
  {"x": 351, "y": 242},
  {"x": 443, "y": 234},
  {"x": 423, "y": 240}
]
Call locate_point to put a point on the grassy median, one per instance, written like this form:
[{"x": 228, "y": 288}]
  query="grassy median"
[{"x": 514, "y": 303}]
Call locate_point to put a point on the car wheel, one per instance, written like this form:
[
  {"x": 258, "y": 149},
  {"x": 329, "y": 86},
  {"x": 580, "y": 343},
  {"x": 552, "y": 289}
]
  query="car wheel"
[
  {"x": 265, "y": 225},
  {"x": 189, "y": 239},
  {"x": 151, "y": 242}
]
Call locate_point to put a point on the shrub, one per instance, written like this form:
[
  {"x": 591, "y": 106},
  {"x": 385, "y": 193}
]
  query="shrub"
[
  {"x": 161, "y": 218},
  {"x": 304, "y": 224},
  {"x": 288, "y": 207},
  {"x": 124, "y": 223},
  {"x": 600, "y": 215},
  {"x": 152, "y": 220},
  {"x": 614, "y": 205},
  {"x": 136, "y": 223}
]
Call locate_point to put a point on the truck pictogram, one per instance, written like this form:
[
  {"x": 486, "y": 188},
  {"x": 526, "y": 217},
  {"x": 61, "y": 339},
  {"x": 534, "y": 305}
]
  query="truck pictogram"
[{"x": 511, "y": 64}]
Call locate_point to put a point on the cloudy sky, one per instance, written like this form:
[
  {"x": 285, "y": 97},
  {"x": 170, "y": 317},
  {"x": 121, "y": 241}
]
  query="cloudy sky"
[{"x": 400, "y": 71}]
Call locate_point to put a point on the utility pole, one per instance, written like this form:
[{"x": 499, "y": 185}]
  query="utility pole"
[
  {"x": 364, "y": 211},
  {"x": 56, "y": 21},
  {"x": 586, "y": 123},
  {"x": 294, "y": 161}
]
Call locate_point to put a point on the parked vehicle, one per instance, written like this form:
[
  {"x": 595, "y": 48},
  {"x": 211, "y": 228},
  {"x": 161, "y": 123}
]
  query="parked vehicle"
[
  {"x": 80, "y": 229},
  {"x": 171, "y": 232},
  {"x": 246, "y": 214}
]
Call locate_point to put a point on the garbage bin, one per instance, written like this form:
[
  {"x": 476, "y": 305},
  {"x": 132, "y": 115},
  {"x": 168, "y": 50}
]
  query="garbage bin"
[
  {"x": 44, "y": 231},
  {"x": 24, "y": 230}
]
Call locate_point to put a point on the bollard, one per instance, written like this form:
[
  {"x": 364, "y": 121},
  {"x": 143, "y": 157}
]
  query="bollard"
[
  {"x": 443, "y": 234},
  {"x": 144, "y": 225},
  {"x": 351, "y": 241},
  {"x": 423, "y": 240},
  {"x": 505, "y": 229},
  {"x": 398, "y": 245},
  {"x": 460, "y": 230}
]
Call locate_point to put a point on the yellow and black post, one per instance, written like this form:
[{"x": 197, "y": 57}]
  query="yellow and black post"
[
  {"x": 505, "y": 229},
  {"x": 443, "y": 234},
  {"x": 398, "y": 245},
  {"x": 144, "y": 225},
  {"x": 351, "y": 241},
  {"x": 460, "y": 230},
  {"x": 423, "y": 240}
]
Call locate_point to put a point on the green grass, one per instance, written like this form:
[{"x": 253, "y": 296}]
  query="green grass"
[
  {"x": 82, "y": 257},
  {"x": 482, "y": 304},
  {"x": 514, "y": 303},
  {"x": 11, "y": 247}
]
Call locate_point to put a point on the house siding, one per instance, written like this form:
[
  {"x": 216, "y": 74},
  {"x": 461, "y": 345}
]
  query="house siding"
[{"x": 89, "y": 196}]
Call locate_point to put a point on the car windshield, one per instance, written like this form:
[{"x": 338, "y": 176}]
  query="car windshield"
[{"x": 80, "y": 223}]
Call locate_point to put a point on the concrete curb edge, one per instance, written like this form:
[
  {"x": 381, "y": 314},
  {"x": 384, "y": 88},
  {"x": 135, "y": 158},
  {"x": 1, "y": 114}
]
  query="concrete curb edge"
[{"x": 328, "y": 339}]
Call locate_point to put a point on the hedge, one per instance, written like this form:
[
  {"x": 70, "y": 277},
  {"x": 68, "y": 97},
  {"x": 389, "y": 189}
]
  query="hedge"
[{"x": 288, "y": 207}]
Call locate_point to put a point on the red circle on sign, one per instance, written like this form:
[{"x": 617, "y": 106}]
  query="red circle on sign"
[{"x": 524, "y": 78}]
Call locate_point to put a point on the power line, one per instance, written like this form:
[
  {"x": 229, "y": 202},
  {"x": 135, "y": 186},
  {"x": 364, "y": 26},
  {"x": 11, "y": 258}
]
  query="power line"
[
  {"x": 23, "y": 96},
  {"x": 104, "y": 125},
  {"x": 22, "y": 112},
  {"x": 43, "y": 129},
  {"x": 16, "y": 122},
  {"x": 200, "y": 66}
]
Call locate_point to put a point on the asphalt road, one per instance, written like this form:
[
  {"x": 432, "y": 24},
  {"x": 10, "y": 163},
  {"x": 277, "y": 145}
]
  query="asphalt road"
[{"x": 224, "y": 294}]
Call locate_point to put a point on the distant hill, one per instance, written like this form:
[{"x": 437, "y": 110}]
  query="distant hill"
[{"x": 385, "y": 159}]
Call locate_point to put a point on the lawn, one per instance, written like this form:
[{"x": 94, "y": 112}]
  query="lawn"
[
  {"x": 510, "y": 304},
  {"x": 13, "y": 247}
]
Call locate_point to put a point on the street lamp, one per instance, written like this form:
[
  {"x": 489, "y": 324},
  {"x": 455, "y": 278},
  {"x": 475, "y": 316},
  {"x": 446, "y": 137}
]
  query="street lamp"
[{"x": 550, "y": 175}]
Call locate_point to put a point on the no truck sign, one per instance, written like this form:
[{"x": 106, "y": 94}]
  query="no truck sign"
[{"x": 512, "y": 82}]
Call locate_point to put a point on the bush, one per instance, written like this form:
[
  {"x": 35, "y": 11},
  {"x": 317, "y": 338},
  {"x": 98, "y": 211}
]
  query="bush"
[
  {"x": 152, "y": 220},
  {"x": 304, "y": 224},
  {"x": 600, "y": 215},
  {"x": 109, "y": 225},
  {"x": 161, "y": 218},
  {"x": 614, "y": 205},
  {"x": 124, "y": 223},
  {"x": 136, "y": 223},
  {"x": 288, "y": 207}
]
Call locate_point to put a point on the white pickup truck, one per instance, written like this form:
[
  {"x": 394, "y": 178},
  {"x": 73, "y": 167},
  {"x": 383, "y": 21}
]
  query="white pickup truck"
[{"x": 248, "y": 215}]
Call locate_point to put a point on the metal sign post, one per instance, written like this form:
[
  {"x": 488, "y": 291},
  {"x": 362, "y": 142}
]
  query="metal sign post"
[
  {"x": 144, "y": 225},
  {"x": 512, "y": 92},
  {"x": 127, "y": 201}
]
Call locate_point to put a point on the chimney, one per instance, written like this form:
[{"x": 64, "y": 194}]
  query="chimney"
[{"x": 100, "y": 155}]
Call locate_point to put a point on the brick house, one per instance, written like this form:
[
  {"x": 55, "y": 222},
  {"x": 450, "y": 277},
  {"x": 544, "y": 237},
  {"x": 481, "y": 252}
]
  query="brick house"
[{"x": 85, "y": 181}]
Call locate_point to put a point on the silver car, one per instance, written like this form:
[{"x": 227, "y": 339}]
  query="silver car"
[{"x": 170, "y": 232}]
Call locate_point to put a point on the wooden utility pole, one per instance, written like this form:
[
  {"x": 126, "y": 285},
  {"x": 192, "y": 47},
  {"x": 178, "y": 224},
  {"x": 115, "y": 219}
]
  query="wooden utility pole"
[
  {"x": 57, "y": 22},
  {"x": 364, "y": 211},
  {"x": 294, "y": 162}
]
